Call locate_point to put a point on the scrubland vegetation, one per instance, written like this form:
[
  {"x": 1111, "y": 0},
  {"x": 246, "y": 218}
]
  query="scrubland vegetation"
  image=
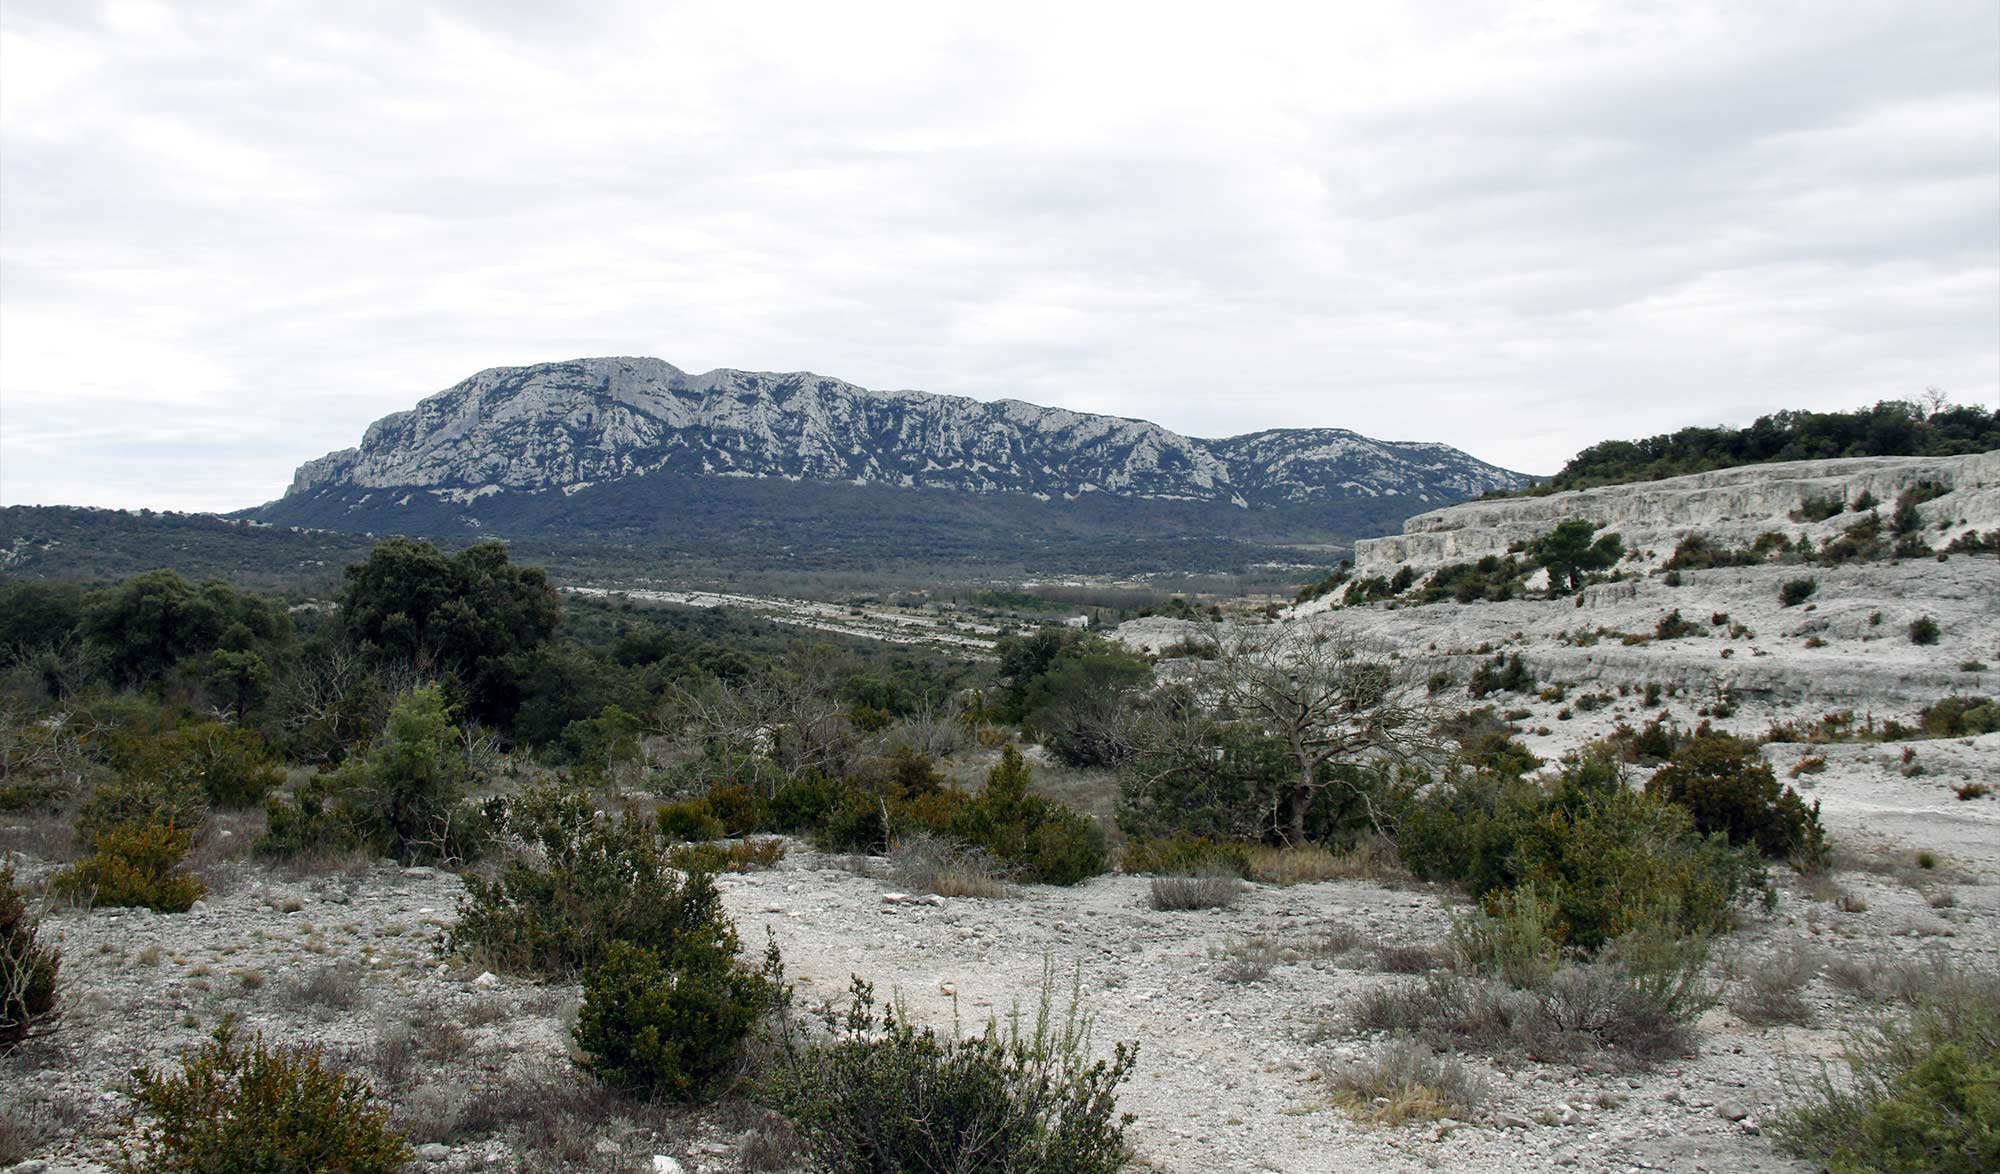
[{"x": 589, "y": 771}]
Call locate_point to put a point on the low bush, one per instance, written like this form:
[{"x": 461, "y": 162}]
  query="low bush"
[
  {"x": 1924, "y": 630},
  {"x": 752, "y": 855},
  {"x": 1728, "y": 787},
  {"x": 1602, "y": 857},
  {"x": 673, "y": 1022},
  {"x": 1920, "y": 1091},
  {"x": 1503, "y": 674},
  {"x": 29, "y": 968},
  {"x": 229, "y": 764},
  {"x": 1796, "y": 591},
  {"x": 142, "y": 799},
  {"x": 1636, "y": 1002},
  {"x": 135, "y": 865},
  {"x": 689, "y": 820},
  {"x": 881, "y": 1094},
  {"x": 1038, "y": 839},
  {"x": 242, "y": 1108},
  {"x": 407, "y": 797},
  {"x": 579, "y": 882}
]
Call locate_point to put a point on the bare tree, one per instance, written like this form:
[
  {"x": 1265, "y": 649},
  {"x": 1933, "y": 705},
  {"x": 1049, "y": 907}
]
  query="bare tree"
[{"x": 1330, "y": 698}]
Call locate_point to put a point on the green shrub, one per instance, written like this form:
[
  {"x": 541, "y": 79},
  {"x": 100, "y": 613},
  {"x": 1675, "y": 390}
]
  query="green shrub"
[
  {"x": 1603, "y": 858},
  {"x": 1924, "y": 630},
  {"x": 803, "y": 802},
  {"x": 1921, "y": 1092},
  {"x": 28, "y": 970},
  {"x": 1796, "y": 591},
  {"x": 580, "y": 883},
  {"x": 1039, "y": 839},
  {"x": 688, "y": 820},
  {"x": 672, "y": 1022},
  {"x": 229, "y": 764},
  {"x": 235, "y": 1109},
  {"x": 134, "y": 865},
  {"x": 406, "y": 797},
  {"x": 884, "y": 1095},
  {"x": 141, "y": 799},
  {"x": 1729, "y": 788},
  {"x": 1505, "y": 674}
]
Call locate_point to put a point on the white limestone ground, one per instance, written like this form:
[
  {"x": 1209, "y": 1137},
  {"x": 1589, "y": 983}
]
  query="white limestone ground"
[{"x": 1227, "y": 1072}]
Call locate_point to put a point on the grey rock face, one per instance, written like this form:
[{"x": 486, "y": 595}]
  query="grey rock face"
[{"x": 564, "y": 426}]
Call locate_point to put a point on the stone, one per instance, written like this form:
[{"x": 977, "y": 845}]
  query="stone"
[
  {"x": 433, "y": 1152},
  {"x": 1731, "y": 1111},
  {"x": 487, "y": 980},
  {"x": 662, "y": 1164}
]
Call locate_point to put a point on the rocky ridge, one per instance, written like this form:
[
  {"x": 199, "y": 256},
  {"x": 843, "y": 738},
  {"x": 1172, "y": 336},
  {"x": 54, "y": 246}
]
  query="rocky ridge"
[
  {"x": 567, "y": 426},
  {"x": 1728, "y": 506}
]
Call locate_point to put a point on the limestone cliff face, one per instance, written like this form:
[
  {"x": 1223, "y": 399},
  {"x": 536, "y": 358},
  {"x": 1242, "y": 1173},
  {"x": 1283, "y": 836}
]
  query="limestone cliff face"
[
  {"x": 566, "y": 426},
  {"x": 1727, "y": 506}
]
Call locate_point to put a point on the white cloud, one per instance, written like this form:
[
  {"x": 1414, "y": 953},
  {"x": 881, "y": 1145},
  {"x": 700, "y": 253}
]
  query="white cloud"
[{"x": 233, "y": 234}]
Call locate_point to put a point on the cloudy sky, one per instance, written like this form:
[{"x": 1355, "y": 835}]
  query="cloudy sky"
[{"x": 232, "y": 234}]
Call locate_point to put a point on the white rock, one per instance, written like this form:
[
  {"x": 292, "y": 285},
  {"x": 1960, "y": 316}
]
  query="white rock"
[
  {"x": 486, "y": 980},
  {"x": 662, "y": 1164}
]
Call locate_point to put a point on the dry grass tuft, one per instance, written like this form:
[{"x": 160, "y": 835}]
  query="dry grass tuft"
[
  {"x": 1372, "y": 859},
  {"x": 926, "y": 863},
  {"x": 1405, "y": 1081},
  {"x": 1773, "y": 990},
  {"x": 1206, "y": 890}
]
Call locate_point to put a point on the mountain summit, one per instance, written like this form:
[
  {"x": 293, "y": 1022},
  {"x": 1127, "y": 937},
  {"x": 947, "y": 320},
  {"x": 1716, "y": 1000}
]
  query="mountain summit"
[{"x": 575, "y": 430}]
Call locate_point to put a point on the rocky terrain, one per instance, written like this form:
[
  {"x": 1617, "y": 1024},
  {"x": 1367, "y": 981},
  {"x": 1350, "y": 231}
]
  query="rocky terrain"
[
  {"x": 1730, "y": 507},
  {"x": 562, "y": 426},
  {"x": 784, "y": 465},
  {"x": 1239, "y": 1013}
]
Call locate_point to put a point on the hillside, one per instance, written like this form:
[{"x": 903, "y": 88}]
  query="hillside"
[{"x": 638, "y": 450}]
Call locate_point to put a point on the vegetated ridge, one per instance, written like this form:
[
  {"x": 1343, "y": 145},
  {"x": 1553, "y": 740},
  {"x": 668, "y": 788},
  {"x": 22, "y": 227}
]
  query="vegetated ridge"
[
  {"x": 1892, "y": 428},
  {"x": 635, "y": 448}
]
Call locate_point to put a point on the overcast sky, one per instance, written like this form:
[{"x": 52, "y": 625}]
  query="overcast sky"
[{"x": 233, "y": 234}]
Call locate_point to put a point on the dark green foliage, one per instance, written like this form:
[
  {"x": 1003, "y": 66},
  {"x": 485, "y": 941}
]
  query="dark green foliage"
[
  {"x": 36, "y": 615},
  {"x": 466, "y": 614},
  {"x": 1326, "y": 586},
  {"x": 1696, "y": 553},
  {"x": 1492, "y": 578},
  {"x": 1605, "y": 858},
  {"x": 689, "y": 820},
  {"x": 407, "y": 797},
  {"x": 1067, "y": 687},
  {"x": 1673, "y": 627},
  {"x": 885, "y": 1097},
  {"x": 1796, "y": 591},
  {"x": 1890, "y": 428},
  {"x": 1570, "y": 555},
  {"x": 142, "y": 798},
  {"x": 230, "y": 765},
  {"x": 151, "y": 622},
  {"x": 28, "y": 970},
  {"x": 1503, "y": 674},
  {"x": 134, "y": 864},
  {"x": 1487, "y": 743},
  {"x": 582, "y": 883},
  {"x": 252, "y": 1109},
  {"x": 1729, "y": 788},
  {"x": 1923, "y": 630},
  {"x": 672, "y": 1022},
  {"x": 1038, "y": 839},
  {"x": 1194, "y": 775},
  {"x": 1961, "y": 717},
  {"x": 1921, "y": 1091}
]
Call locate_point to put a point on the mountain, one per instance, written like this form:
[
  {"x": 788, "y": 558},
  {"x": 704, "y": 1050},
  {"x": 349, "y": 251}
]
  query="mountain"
[{"x": 636, "y": 449}]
